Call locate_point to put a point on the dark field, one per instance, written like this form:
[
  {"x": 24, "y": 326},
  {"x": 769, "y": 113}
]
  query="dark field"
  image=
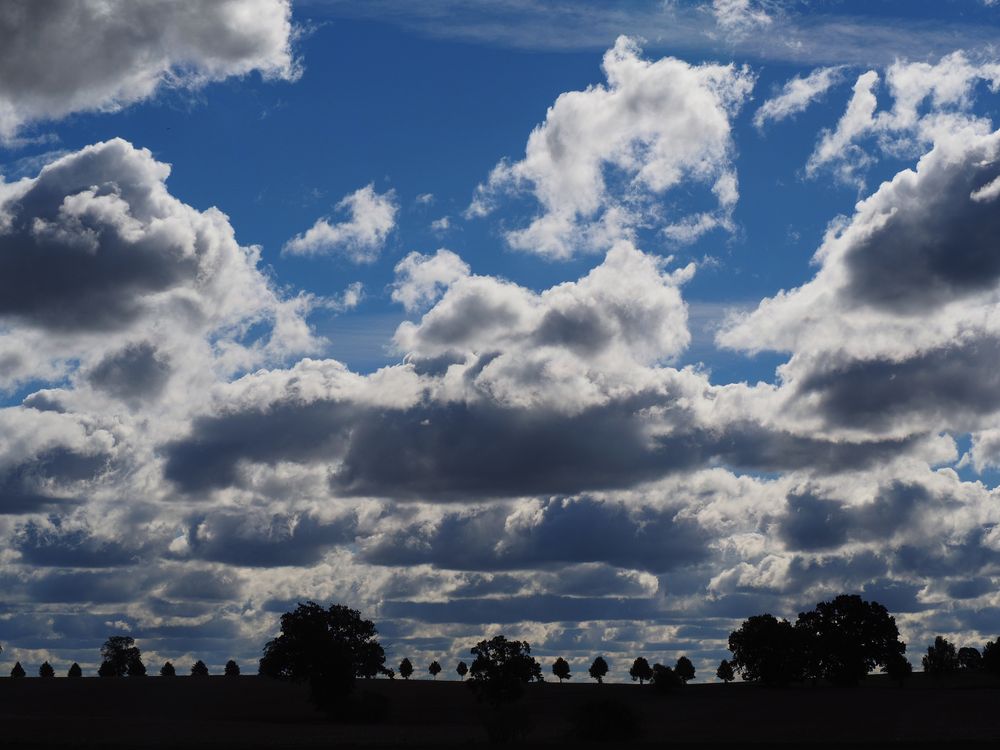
[{"x": 249, "y": 712}]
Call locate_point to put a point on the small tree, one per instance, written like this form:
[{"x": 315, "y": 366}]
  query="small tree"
[
  {"x": 941, "y": 658},
  {"x": 598, "y": 669},
  {"x": 167, "y": 670},
  {"x": 684, "y": 669},
  {"x": 560, "y": 668},
  {"x": 725, "y": 672},
  {"x": 898, "y": 669},
  {"x": 664, "y": 679},
  {"x": 969, "y": 659},
  {"x": 462, "y": 669},
  {"x": 46, "y": 670},
  {"x": 991, "y": 657},
  {"x": 405, "y": 669},
  {"x": 232, "y": 669},
  {"x": 640, "y": 670},
  {"x": 198, "y": 669},
  {"x": 74, "y": 670},
  {"x": 17, "y": 671},
  {"x": 434, "y": 669}
]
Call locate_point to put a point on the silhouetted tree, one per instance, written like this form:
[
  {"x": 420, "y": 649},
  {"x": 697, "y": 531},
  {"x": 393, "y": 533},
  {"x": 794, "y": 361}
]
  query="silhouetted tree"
[
  {"x": 405, "y": 669},
  {"x": 969, "y": 659},
  {"x": 501, "y": 669},
  {"x": 560, "y": 668},
  {"x": 135, "y": 666},
  {"x": 991, "y": 657},
  {"x": 941, "y": 658},
  {"x": 845, "y": 639},
  {"x": 725, "y": 671},
  {"x": 640, "y": 670},
  {"x": 462, "y": 669},
  {"x": 684, "y": 669},
  {"x": 117, "y": 654},
  {"x": 328, "y": 648},
  {"x": 46, "y": 670},
  {"x": 74, "y": 670},
  {"x": 898, "y": 668},
  {"x": 664, "y": 679},
  {"x": 232, "y": 669},
  {"x": 434, "y": 669},
  {"x": 198, "y": 669},
  {"x": 766, "y": 650},
  {"x": 167, "y": 670},
  {"x": 18, "y": 670},
  {"x": 598, "y": 669}
]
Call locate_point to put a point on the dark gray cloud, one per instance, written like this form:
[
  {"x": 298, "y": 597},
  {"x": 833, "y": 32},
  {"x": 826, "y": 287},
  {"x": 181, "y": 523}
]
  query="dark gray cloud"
[
  {"x": 538, "y": 608},
  {"x": 54, "y": 546},
  {"x": 951, "y": 384},
  {"x": 45, "y": 480},
  {"x": 135, "y": 372},
  {"x": 562, "y": 531},
  {"x": 259, "y": 539}
]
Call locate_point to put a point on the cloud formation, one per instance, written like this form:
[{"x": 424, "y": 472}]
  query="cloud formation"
[
  {"x": 361, "y": 237},
  {"x": 796, "y": 95},
  {"x": 66, "y": 56},
  {"x": 659, "y": 124}
]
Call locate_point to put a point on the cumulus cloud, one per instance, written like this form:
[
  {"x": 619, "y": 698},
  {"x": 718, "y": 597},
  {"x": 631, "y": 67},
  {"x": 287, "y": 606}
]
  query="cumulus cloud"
[
  {"x": 796, "y": 95},
  {"x": 421, "y": 279},
  {"x": 361, "y": 237},
  {"x": 65, "y": 56},
  {"x": 656, "y": 123}
]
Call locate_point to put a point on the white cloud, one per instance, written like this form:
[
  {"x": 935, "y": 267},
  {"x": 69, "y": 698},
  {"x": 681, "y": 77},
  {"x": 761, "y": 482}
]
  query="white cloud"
[
  {"x": 421, "y": 279},
  {"x": 88, "y": 55},
  {"x": 361, "y": 237},
  {"x": 661, "y": 123},
  {"x": 740, "y": 16},
  {"x": 441, "y": 225},
  {"x": 796, "y": 95}
]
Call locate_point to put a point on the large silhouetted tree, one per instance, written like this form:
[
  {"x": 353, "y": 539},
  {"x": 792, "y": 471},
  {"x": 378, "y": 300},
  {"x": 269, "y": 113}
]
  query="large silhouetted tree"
[
  {"x": 405, "y": 668},
  {"x": 18, "y": 670},
  {"x": 434, "y": 669},
  {"x": 501, "y": 669},
  {"x": 118, "y": 653},
  {"x": 725, "y": 672},
  {"x": 462, "y": 669},
  {"x": 766, "y": 650},
  {"x": 560, "y": 668},
  {"x": 167, "y": 670},
  {"x": 46, "y": 670},
  {"x": 135, "y": 666},
  {"x": 684, "y": 669},
  {"x": 969, "y": 659},
  {"x": 991, "y": 657},
  {"x": 845, "y": 639},
  {"x": 640, "y": 670},
  {"x": 198, "y": 669},
  {"x": 328, "y": 648},
  {"x": 598, "y": 669},
  {"x": 74, "y": 670},
  {"x": 941, "y": 658}
]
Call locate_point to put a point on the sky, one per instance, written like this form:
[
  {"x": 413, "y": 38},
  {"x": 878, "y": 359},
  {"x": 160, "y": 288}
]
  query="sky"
[{"x": 600, "y": 325}]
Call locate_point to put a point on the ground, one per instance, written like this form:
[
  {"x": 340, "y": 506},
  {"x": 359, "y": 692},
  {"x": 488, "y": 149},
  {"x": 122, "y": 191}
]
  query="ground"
[{"x": 249, "y": 712}]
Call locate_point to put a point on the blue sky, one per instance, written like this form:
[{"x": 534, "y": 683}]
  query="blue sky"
[{"x": 629, "y": 318}]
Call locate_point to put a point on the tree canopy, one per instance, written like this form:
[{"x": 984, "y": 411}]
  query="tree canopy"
[
  {"x": 725, "y": 671},
  {"x": 17, "y": 670},
  {"x": 462, "y": 669},
  {"x": 46, "y": 670},
  {"x": 119, "y": 656},
  {"x": 232, "y": 669},
  {"x": 560, "y": 668},
  {"x": 766, "y": 649},
  {"x": 684, "y": 669},
  {"x": 598, "y": 669},
  {"x": 198, "y": 669},
  {"x": 405, "y": 668},
  {"x": 940, "y": 658},
  {"x": 502, "y": 668},
  {"x": 640, "y": 670},
  {"x": 434, "y": 669},
  {"x": 74, "y": 670},
  {"x": 167, "y": 670}
]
